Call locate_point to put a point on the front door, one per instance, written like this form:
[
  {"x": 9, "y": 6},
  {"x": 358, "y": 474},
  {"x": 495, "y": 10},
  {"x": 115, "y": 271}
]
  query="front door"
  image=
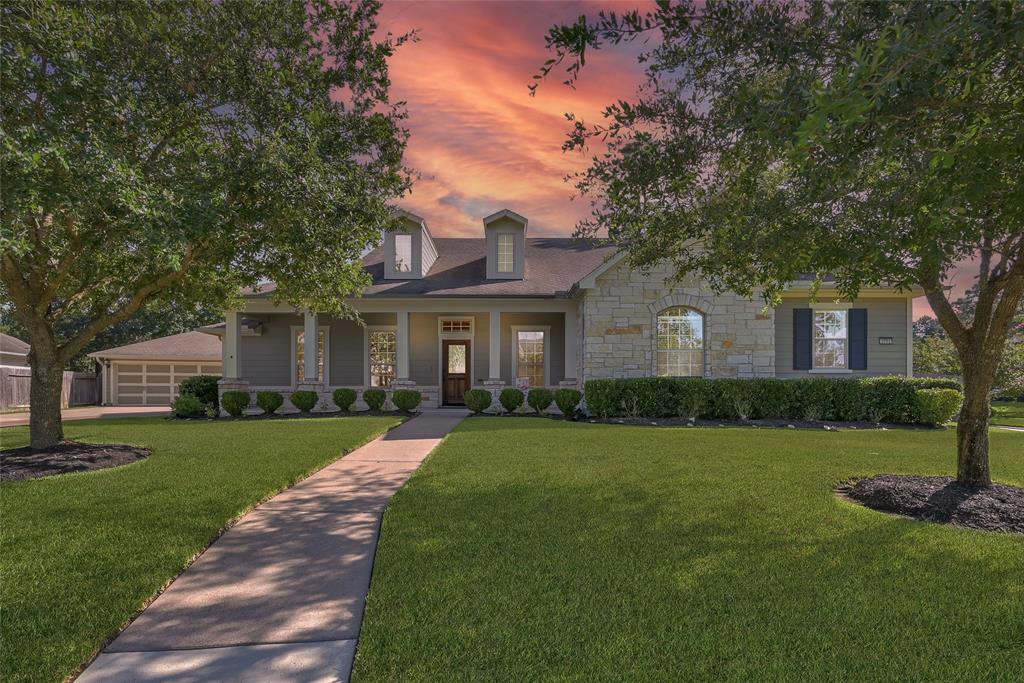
[{"x": 454, "y": 371}]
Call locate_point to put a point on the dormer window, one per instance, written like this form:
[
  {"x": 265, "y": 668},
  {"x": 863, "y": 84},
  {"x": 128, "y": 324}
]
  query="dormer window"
[
  {"x": 409, "y": 250},
  {"x": 506, "y": 253},
  {"x": 505, "y": 233},
  {"x": 403, "y": 253}
]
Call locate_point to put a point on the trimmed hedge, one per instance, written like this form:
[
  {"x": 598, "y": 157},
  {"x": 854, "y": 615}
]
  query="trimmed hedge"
[
  {"x": 187, "y": 405},
  {"x": 510, "y": 399},
  {"x": 539, "y": 399},
  {"x": 269, "y": 401},
  {"x": 203, "y": 387},
  {"x": 304, "y": 400},
  {"x": 477, "y": 400},
  {"x": 375, "y": 399},
  {"x": 344, "y": 398},
  {"x": 938, "y": 406},
  {"x": 876, "y": 399},
  {"x": 406, "y": 399},
  {"x": 235, "y": 402},
  {"x": 567, "y": 399}
]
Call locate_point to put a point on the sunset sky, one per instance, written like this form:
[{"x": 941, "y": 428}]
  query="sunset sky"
[{"x": 478, "y": 140}]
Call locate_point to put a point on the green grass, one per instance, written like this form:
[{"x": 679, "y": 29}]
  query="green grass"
[
  {"x": 82, "y": 553},
  {"x": 534, "y": 549},
  {"x": 1011, "y": 414}
]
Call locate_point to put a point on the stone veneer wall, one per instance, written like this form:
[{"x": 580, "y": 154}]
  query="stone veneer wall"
[{"x": 617, "y": 322}]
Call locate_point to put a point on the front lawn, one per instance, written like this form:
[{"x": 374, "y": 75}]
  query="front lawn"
[
  {"x": 1011, "y": 414},
  {"x": 533, "y": 549},
  {"x": 82, "y": 553}
]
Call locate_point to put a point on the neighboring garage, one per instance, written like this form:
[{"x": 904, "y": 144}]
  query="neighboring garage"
[{"x": 148, "y": 373}]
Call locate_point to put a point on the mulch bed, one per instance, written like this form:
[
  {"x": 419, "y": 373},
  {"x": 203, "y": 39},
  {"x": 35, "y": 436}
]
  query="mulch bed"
[
  {"x": 68, "y": 456},
  {"x": 941, "y": 499}
]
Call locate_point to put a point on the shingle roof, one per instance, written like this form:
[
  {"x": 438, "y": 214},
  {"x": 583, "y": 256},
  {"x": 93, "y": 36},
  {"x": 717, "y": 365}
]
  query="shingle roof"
[
  {"x": 13, "y": 345},
  {"x": 192, "y": 345},
  {"x": 553, "y": 266}
]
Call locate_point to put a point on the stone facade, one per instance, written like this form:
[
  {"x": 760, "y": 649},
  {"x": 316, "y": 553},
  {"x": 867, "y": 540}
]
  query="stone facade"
[{"x": 618, "y": 323}]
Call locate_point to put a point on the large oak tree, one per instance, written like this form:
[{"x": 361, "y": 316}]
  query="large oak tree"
[
  {"x": 178, "y": 151},
  {"x": 879, "y": 143}
]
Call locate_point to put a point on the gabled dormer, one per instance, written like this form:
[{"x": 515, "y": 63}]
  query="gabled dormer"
[
  {"x": 409, "y": 250},
  {"x": 505, "y": 233}
]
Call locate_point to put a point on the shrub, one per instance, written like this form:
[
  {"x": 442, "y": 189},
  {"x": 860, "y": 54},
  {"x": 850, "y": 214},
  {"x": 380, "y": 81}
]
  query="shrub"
[
  {"x": 769, "y": 398},
  {"x": 203, "y": 387},
  {"x": 269, "y": 401},
  {"x": 406, "y": 399},
  {"x": 603, "y": 397},
  {"x": 510, "y": 399},
  {"x": 477, "y": 400},
  {"x": 567, "y": 399},
  {"x": 690, "y": 397},
  {"x": 344, "y": 398},
  {"x": 235, "y": 402},
  {"x": 811, "y": 399},
  {"x": 304, "y": 400},
  {"x": 849, "y": 400},
  {"x": 187, "y": 405},
  {"x": 937, "y": 406},
  {"x": 375, "y": 398},
  {"x": 730, "y": 399},
  {"x": 647, "y": 397},
  {"x": 539, "y": 399}
]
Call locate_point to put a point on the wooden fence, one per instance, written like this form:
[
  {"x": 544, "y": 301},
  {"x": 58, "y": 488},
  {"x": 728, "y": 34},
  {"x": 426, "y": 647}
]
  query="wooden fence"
[{"x": 79, "y": 388}]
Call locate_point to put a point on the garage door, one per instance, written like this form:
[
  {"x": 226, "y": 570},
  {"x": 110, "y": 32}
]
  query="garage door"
[{"x": 154, "y": 384}]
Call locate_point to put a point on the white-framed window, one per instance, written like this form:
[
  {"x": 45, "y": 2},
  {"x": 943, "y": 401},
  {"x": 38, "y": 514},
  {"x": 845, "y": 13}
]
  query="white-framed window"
[
  {"x": 680, "y": 340},
  {"x": 381, "y": 356},
  {"x": 456, "y": 325},
  {"x": 299, "y": 354},
  {"x": 403, "y": 253},
  {"x": 530, "y": 354},
  {"x": 506, "y": 252},
  {"x": 831, "y": 350}
]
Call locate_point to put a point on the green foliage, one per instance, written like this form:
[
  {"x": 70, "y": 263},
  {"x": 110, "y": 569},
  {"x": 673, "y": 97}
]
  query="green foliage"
[
  {"x": 304, "y": 400},
  {"x": 567, "y": 399},
  {"x": 187, "y": 405},
  {"x": 510, "y": 399},
  {"x": 170, "y": 153},
  {"x": 203, "y": 387},
  {"x": 603, "y": 397},
  {"x": 235, "y": 402},
  {"x": 879, "y": 399},
  {"x": 406, "y": 400},
  {"x": 937, "y": 406},
  {"x": 375, "y": 399},
  {"x": 539, "y": 399},
  {"x": 269, "y": 401},
  {"x": 344, "y": 398},
  {"x": 477, "y": 400}
]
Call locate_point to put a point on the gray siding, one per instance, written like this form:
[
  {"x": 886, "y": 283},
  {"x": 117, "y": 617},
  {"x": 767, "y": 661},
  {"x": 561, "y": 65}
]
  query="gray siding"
[
  {"x": 886, "y": 318},
  {"x": 425, "y": 348},
  {"x": 266, "y": 358}
]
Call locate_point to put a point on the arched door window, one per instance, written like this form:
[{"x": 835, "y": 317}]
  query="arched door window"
[{"x": 680, "y": 342}]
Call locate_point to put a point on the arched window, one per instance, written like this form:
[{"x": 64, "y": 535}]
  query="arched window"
[{"x": 680, "y": 342}]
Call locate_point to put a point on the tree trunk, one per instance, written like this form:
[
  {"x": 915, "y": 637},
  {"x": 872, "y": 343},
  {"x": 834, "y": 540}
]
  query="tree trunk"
[
  {"x": 45, "y": 426},
  {"x": 972, "y": 428}
]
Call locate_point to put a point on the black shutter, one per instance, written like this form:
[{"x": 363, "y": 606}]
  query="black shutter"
[
  {"x": 858, "y": 339},
  {"x": 802, "y": 334}
]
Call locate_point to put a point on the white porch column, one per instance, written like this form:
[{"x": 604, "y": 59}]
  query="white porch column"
[
  {"x": 494, "y": 349},
  {"x": 232, "y": 350},
  {"x": 311, "y": 341},
  {"x": 570, "y": 345},
  {"x": 402, "y": 341}
]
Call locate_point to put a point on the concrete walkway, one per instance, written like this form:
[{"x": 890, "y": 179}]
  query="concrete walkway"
[
  {"x": 88, "y": 413},
  {"x": 280, "y": 596}
]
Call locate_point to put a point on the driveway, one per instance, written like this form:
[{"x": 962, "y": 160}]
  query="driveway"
[{"x": 88, "y": 413}]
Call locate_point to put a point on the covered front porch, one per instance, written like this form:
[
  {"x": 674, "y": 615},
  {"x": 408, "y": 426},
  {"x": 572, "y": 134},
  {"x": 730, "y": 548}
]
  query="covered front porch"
[{"x": 441, "y": 348}]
